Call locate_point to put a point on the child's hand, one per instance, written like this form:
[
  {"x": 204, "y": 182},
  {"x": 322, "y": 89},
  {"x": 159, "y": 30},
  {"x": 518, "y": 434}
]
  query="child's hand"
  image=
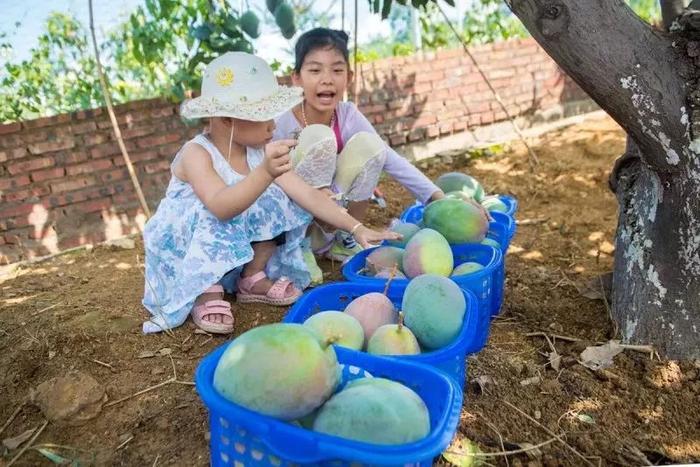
[
  {"x": 277, "y": 160},
  {"x": 369, "y": 238}
]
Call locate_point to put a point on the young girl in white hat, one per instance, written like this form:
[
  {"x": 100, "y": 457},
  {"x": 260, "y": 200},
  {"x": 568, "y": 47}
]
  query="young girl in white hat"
[{"x": 234, "y": 216}]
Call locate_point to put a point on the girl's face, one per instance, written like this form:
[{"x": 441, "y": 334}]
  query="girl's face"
[{"x": 324, "y": 75}]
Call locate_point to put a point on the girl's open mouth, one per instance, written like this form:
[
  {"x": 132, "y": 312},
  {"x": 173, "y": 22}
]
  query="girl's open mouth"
[{"x": 326, "y": 98}]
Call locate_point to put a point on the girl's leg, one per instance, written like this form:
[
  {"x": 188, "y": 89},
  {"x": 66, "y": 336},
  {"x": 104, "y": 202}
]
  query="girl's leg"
[{"x": 262, "y": 252}]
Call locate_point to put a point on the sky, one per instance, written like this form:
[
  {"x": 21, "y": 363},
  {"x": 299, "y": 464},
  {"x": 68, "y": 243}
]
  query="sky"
[{"x": 23, "y": 22}]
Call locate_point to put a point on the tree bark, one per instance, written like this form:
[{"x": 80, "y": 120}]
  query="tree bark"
[
  {"x": 656, "y": 276},
  {"x": 642, "y": 78}
]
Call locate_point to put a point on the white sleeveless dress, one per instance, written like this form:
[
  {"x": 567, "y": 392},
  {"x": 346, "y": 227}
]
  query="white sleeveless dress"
[{"x": 188, "y": 249}]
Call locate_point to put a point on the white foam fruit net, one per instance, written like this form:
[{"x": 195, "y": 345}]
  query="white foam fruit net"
[
  {"x": 314, "y": 157},
  {"x": 359, "y": 166}
]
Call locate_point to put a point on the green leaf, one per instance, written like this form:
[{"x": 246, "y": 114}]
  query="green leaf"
[
  {"x": 462, "y": 452},
  {"x": 242, "y": 45},
  {"x": 53, "y": 457},
  {"x": 585, "y": 418}
]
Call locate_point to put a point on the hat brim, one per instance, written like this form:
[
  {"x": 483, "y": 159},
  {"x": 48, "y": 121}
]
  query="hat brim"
[{"x": 262, "y": 110}]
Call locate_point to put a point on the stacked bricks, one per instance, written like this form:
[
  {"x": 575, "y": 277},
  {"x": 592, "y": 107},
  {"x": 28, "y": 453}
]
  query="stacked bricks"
[{"x": 63, "y": 182}]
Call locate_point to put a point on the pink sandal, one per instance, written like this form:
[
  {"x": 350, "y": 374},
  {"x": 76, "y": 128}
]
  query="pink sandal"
[
  {"x": 213, "y": 307},
  {"x": 282, "y": 293}
]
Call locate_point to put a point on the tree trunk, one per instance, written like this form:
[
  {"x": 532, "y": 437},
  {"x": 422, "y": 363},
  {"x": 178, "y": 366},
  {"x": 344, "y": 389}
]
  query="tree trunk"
[
  {"x": 641, "y": 77},
  {"x": 656, "y": 277}
]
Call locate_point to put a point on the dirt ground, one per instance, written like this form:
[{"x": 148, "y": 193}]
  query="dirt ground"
[{"x": 82, "y": 312}]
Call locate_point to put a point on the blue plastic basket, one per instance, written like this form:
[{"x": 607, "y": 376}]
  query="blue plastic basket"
[
  {"x": 507, "y": 221},
  {"x": 242, "y": 437},
  {"x": 451, "y": 359},
  {"x": 484, "y": 284},
  {"x": 414, "y": 214},
  {"x": 499, "y": 233}
]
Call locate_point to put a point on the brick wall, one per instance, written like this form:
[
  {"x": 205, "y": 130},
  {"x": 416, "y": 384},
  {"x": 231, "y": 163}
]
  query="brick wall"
[{"x": 63, "y": 182}]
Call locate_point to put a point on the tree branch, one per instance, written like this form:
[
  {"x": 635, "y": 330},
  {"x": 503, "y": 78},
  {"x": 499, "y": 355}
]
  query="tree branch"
[
  {"x": 113, "y": 118},
  {"x": 632, "y": 71}
]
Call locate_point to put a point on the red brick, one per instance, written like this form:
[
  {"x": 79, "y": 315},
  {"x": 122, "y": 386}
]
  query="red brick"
[
  {"x": 17, "y": 153},
  {"x": 151, "y": 141},
  {"x": 135, "y": 132},
  {"x": 17, "y": 210},
  {"x": 7, "y": 128},
  {"x": 397, "y": 140},
  {"x": 17, "y": 237},
  {"x": 12, "y": 141},
  {"x": 93, "y": 139},
  {"x": 104, "y": 150},
  {"x": 433, "y": 131},
  {"x": 118, "y": 174},
  {"x": 72, "y": 184},
  {"x": 478, "y": 107},
  {"x": 93, "y": 205},
  {"x": 159, "y": 166},
  {"x": 162, "y": 112},
  {"x": 104, "y": 124},
  {"x": 170, "y": 150},
  {"x": 460, "y": 125},
  {"x": 31, "y": 164},
  {"x": 425, "y": 120},
  {"x": 15, "y": 196},
  {"x": 136, "y": 157},
  {"x": 46, "y": 121},
  {"x": 430, "y": 76},
  {"x": 369, "y": 109},
  {"x": 487, "y": 118},
  {"x": 445, "y": 128},
  {"x": 51, "y": 146},
  {"x": 72, "y": 157},
  {"x": 48, "y": 174},
  {"x": 17, "y": 222},
  {"x": 89, "y": 167},
  {"x": 84, "y": 127},
  {"x": 422, "y": 88},
  {"x": 125, "y": 199},
  {"x": 14, "y": 182},
  {"x": 416, "y": 135}
]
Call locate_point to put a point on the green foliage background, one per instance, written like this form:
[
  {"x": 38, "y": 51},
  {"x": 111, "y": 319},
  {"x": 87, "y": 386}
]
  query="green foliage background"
[{"x": 160, "y": 49}]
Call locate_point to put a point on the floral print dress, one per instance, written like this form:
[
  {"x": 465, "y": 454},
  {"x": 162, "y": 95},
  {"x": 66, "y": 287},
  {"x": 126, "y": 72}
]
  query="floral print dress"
[{"x": 188, "y": 249}]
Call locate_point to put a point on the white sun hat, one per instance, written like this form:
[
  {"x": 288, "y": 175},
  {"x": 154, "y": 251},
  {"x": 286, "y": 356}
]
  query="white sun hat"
[{"x": 241, "y": 85}]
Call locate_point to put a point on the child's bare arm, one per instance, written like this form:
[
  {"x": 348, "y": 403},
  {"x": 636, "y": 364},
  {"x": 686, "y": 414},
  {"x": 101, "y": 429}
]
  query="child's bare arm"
[{"x": 226, "y": 201}]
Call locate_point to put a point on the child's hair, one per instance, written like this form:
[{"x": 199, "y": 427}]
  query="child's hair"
[{"x": 320, "y": 38}]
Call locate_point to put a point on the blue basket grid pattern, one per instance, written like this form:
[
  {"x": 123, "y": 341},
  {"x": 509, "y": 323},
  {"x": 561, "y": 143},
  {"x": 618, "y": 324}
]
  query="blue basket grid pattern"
[{"x": 240, "y": 437}]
